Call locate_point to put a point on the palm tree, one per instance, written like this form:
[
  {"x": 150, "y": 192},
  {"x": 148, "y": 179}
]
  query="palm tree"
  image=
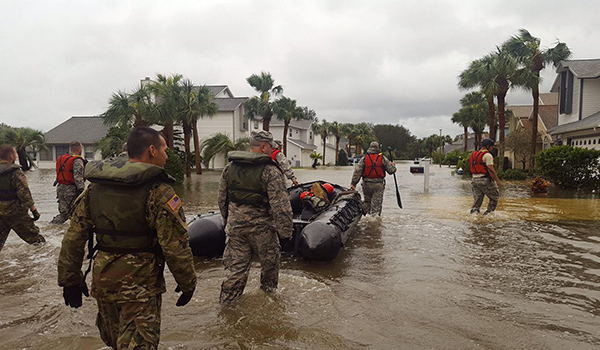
[
  {"x": 362, "y": 132},
  {"x": 315, "y": 158},
  {"x": 478, "y": 75},
  {"x": 262, "y": 105},
  {"x": 196, "y": 102},
  {"x": 348, "y": 131},
  {"x": 462, "y": 118},
  {"x": 286, "y": 110},
  {"x": 136, "y": 108},
  {"x": 21, "y": 139},
  {"x": 323, "y": 131},
  {"x": 527, "y": 49},
  {"x": 336, "y": 129},
  {"x": 169, "y": 100},
  {"x": 222, "y": 143}
]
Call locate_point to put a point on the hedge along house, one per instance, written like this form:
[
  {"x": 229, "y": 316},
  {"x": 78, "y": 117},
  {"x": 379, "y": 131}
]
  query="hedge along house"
[
  {"x": 578, "y": 85},
  {"x": 85, "y": 129}
]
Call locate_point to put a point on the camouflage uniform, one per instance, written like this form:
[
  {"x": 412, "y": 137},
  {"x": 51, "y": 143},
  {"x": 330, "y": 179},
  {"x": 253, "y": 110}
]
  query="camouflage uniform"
[
  {"x": 372, "y": 187},
  {"x": 128, "y": 286},
  {"x": 67, "y": 194},
  {"x": 284, "y": 165},
  {"x": 15, "y": 201},
  {"x": 252, "y": 229}
]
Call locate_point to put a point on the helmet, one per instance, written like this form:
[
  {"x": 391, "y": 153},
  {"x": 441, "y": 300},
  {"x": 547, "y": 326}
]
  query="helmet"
[
  {"x": 304, "y": 194},
  {"x": 328, "y": 187},
  {"x": 487, "y": 142},
  {"x": 278, "y": 144}
]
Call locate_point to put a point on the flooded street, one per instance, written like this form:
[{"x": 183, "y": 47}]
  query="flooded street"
[{"x": 429, "y": 276}]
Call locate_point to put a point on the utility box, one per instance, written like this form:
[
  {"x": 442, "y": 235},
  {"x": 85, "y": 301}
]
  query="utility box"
[{"x": 417, "y": 170}]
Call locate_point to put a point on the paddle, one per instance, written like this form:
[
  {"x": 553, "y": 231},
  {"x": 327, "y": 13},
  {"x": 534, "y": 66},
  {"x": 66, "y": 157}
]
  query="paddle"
[{"x": 395, "y": 181}]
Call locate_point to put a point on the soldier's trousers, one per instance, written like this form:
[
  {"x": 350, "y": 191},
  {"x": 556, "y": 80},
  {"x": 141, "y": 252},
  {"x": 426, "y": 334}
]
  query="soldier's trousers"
[
  {"x": 484, "y": 186},
  {"x": 373, "y": 196},
  {"x": 66, "y": 195},
  {"x": 130, "y": 324},
  {"x": 240, "y": 248},
  {"x": 24, "y": 227}
]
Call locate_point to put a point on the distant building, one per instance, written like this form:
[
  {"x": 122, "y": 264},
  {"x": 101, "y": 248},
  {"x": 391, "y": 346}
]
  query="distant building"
[{"x": 578, "y": 84}]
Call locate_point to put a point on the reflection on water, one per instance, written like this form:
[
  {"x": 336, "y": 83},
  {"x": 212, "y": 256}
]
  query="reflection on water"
[{"x": 429, "y": 276}]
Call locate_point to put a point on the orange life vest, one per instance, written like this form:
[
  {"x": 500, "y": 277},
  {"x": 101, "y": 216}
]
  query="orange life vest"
[
  {"x": 274, "y": 154},
  {"x": 64, "y": 169},
  {"x": 374, "y": 166},
  {"x": 478, "y": 166}
]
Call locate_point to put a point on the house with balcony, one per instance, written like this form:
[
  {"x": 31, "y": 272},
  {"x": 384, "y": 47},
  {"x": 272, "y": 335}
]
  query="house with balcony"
[{"x": 578, "y": 86}]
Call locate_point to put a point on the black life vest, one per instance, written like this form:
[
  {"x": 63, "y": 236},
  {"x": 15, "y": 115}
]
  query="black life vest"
[
  {"x": 244, "y": 180},
  {"x": 374, "y": 166},
  {"x": 478, "y": 166}
]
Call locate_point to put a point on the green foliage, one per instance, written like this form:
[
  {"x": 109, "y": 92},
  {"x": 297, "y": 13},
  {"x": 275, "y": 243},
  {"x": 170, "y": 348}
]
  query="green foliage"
[
  {"x": 437, "y": 157},
  {"x": 463, "y": 163},
  {"x": 315, "y": 157},
  {"x": 342, "y": 158},
  {"x": 174, "y": 166},
  {"x": 519, "y": 141},
  {"x": 395, "y": 136},
  {"x": 570, "y": 167},
  {"x": 221, "y": 143},
  {"x": 112, "y": 143},
  {"x": 454, "y": 157},
  {"x": 513, "y": 174}
]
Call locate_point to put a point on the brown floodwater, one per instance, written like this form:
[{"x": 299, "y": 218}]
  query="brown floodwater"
[{"x": 429, "y": 276}]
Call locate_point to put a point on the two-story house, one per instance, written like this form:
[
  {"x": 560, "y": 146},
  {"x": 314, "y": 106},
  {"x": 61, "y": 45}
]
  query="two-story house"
[{"x": 578, "y": 85}]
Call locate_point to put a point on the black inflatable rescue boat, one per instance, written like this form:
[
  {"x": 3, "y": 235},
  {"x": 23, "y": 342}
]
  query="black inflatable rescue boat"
[{"x": 318, "y": 236}]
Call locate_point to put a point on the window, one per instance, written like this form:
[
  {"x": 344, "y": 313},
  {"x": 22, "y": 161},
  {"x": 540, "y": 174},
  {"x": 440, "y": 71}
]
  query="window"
[
  {"x": 296, "y": 131},
  {"x": 89, "y": 155},
  {"x": 61, "y": 149},
  {"x": 46, "y": 154},
  {"x": 290, "y": 133},
  {"x": 310, "y": 135},
  {"x": 566, "y": 92}
]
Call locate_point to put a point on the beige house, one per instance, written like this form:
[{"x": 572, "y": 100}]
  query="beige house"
[{"x": 578, "y": 85}]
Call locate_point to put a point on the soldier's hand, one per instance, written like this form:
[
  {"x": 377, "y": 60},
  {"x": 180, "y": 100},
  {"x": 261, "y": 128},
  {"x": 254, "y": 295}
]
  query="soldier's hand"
[
  {"x": 36, "y": 215},
  {"x": 72, "y": 295},
  {"x": 295, "y": 183},
  {"x": 353, "y": 187},
  {"x": 184, "y": 298}
]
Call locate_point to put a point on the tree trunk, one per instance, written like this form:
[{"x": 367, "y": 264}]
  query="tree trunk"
[
  {"x": 349, "y": 146},
  {"x": 286, "y": 126},
  {"x": 501, "y": 125},
  {"x": 197, "y": 148},
  {"x": 168, "y": 133},
  {"x": 267, "y": 121},
  {"x": 466, "y": 137},
  {"x": 492, "y": 113},
  {"x": 187, "y": 131},
  {"x": 337, "y": 149},
  {"x": 23, "y": 159},
  {"x": 534, "y": 132},
  {"x": 324, "y": 146}
]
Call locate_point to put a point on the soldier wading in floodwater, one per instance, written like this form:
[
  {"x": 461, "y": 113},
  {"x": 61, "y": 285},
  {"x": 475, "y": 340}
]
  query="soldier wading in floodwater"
[
  {"x": 372, "y": 168},
  {"x": 255, "y": 206},
  {"x": 16, "y": 200},
  {"x": 485, "y": 181},
  {"x": 139, "y": 225},
  {"x": 69, "y": 177}
]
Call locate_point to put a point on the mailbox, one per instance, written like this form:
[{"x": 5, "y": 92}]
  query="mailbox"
[{"x": 417, "y": 170}]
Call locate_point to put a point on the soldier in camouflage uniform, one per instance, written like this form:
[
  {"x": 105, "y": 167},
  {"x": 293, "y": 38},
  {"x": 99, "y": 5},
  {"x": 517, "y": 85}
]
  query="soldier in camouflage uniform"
[
  {"x": 15, "y": 201},
  {"x": 283, "y": 162},
  {"x": 70, "y": 180},
  {"x": 139, "y": 225},
  {"x": 255, "y": 206},
  {"x": 372, "y": 168}
]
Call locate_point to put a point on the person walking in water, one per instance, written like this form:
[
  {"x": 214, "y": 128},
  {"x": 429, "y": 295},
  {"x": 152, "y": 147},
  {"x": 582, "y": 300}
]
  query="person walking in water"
[
  {"x": 70, "y": 180},
  {"x": 139, "y": 225},
  {"x": 372, "y": 169},
  {"x": 485, "y": 181},
  {"x": 283, "y": 162},
  {"x": 256, "y": 208},
  {"x": 16, "y": 201}
]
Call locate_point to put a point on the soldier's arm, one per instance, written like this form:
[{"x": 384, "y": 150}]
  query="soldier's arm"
[
  {"x": 222, "y": 195},
  {"x": 73, "y": 244},
  {"x": 78, "y": 169},
  {"x": 279, "y": 201},
  {"x": 389, "y": 166},
  {"x": 285, "y": 166},
  {"x": 20, "y": 183},
  {"x": 165, "y": 215},
  {"x": 360, "y": 167}
]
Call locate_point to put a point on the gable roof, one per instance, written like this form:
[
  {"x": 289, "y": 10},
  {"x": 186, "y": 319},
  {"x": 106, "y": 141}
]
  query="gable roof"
[
  {"x": 302, "y": 144},
  {"x": 521, "y": 111},
  {"x": 217, "y": 89},
  {"x": 85, "y": 129},
  {"x": 549, "y": 98},
  {"x": 229, "y": 104},
  {"x": 549, "y": 116},
  {"x": 582, "y": 69},
  {"x": 299, "y": 124},
  {"x": 590, "y": 122}
]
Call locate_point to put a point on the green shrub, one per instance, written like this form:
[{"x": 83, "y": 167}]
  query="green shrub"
[
  {"x": 513, "y": 174},
  {"x": 174, "y": 166},
  {"x": 342, "y": 158},
  {"x": 570, "y": 167},
  {"x": 463, "y": 163},
  {"x": 454, "y": 157}
]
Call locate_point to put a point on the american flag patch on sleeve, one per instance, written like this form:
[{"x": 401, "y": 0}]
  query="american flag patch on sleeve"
[{"x": 174, "y": 203}]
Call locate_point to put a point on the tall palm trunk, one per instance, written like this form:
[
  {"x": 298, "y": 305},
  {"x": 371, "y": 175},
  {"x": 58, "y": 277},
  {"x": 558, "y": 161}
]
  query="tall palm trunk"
[
  {"x": 324, "y": 146},
  {"x": 466, "y": 129},
  {"x": 337, "y": 149},
  {"x": 187, "y": 132},
  {"x": 349, "y": 146},
  {"x": 267, "y": 121},
  {"x": 535, "y": 92},
  {"x": 492, "y": 112},
  {"x": 197, "y": 147},
  {"x": 286, "y": 126},
  {"x": 168, "y": 131},
  {"x": 501, "y": 124}
]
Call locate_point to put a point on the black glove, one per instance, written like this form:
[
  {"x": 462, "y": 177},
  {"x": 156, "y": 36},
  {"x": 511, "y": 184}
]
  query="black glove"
[
  {"x": 73, "y": 294},
  {"x": 184, "y": 298},
  {"x": 36, "y": 215}
]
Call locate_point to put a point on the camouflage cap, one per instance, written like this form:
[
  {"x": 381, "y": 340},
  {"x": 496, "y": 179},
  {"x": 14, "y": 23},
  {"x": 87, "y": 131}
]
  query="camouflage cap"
[{"x": 262, "y": 136}]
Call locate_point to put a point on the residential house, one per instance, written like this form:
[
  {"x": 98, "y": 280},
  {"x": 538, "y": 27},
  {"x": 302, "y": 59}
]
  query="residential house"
[
  {"x": 578, "y": 85},
  {"x": 85, "y": 129}
]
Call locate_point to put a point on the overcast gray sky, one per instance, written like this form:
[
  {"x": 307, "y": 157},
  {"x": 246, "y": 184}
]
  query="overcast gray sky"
[{"x": 382, "y": 61}]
